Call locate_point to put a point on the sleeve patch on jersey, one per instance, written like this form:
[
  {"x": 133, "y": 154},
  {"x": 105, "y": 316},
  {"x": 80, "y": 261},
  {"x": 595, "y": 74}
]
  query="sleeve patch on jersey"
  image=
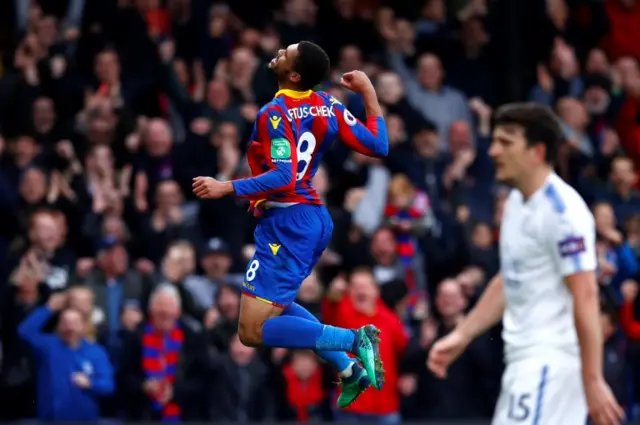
[
  {"x": 280, "y": 149},
  {"x": 275, "y": 121},
  {"x": 571, "y": 246},
  {"x": 349, "y": 119}
]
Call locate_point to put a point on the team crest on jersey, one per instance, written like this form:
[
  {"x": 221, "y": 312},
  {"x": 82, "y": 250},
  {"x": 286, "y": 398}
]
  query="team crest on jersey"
[
  {"x": 275, "y": 121},
  {"x": 571, "y": 246},
  {"x": 280, "y": 150}
]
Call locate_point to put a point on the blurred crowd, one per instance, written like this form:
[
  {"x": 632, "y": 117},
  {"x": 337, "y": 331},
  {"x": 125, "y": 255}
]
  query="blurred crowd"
[{"x": 109, "y": 108}]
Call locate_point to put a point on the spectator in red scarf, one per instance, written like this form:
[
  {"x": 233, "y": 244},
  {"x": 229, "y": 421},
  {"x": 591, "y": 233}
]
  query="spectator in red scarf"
[
  {"x": 164, "y": 366},
  {"x": 355, "y": 304},
  {"x": 406, "y": 211},
  {"x": 306, "y": 395}
]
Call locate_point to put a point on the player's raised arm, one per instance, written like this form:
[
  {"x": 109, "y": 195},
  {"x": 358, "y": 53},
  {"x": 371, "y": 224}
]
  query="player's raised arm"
[
  {"x": 273, "y": 131},
  {"x": 573, "y": 239},
  {"x": 370, "y": 139}
]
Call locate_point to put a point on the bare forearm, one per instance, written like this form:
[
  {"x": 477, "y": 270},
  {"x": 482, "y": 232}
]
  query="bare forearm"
[
  {"x": 487, "y": 312},
  {"x": 586, "y": 313},
  {"x": 371, "y": 104}
]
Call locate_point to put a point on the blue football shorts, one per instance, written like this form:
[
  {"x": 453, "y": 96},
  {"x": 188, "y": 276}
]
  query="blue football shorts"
[{"x": 289, "y": 242}]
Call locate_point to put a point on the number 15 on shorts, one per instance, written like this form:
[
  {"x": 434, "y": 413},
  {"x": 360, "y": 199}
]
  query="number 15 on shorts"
[{"x": 519, "y": 407}]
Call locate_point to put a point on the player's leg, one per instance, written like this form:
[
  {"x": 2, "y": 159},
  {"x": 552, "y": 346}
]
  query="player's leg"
[
  {"x": 338, "y": 359},
  {"x": 353, "y": 377},
  {"x": 285, "y": 243},
  {"x": 261, "y": 323}
]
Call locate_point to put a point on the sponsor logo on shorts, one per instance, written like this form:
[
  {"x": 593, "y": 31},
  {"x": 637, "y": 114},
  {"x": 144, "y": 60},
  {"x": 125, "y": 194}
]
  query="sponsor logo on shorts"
[
  {"x": 248, "y": 286},
  {"x": 274, "y": 248}
]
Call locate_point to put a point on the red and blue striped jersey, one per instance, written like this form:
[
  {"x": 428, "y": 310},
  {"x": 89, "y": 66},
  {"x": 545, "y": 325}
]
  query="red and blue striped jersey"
[{"x": 291, "y": 135}]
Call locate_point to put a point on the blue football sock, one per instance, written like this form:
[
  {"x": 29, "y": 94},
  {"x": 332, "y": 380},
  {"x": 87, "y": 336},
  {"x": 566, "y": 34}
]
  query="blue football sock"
[
  {"x": 295, "y": 332},
  {"x": 338, "y": 359}
]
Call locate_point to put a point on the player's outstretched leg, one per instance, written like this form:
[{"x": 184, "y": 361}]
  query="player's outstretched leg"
[
  {"x": 261, "y": 323},
  {"x": 353, "y": 378},
  {"x": 295, "y": 332}
]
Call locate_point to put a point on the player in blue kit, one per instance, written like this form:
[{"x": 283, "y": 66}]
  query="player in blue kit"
[{"x": 291, "y": 135}]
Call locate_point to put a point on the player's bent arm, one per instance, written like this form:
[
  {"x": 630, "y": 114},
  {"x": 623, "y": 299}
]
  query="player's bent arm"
[
  {"x": 371, "y": 105},
  {"x": 370, "y": 139},
  {"x": 274, "y": 132},
  {"x": 281, "y": 178},
  {"x": 586, "y": 312},
  {"x": 487, "y": 312}
]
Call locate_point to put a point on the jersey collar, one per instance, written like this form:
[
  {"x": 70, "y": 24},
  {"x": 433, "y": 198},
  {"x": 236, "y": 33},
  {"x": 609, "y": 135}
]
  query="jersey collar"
[
  {"x": 540, "y": 193},
  {"x": 294, "y": 93}
]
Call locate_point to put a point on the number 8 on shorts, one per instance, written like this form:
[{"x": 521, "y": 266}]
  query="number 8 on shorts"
[{"x": 252, "y": 270}]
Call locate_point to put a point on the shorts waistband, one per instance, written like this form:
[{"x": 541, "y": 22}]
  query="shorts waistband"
[
  {"x": 294, "y": 208},
  {"x": 274, "y": 204},
  {"x": 516, "y": 356}
]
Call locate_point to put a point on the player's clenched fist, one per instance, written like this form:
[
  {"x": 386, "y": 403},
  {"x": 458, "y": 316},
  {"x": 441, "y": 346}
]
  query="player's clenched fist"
[
  {"x": 444, "y": 352},
  {"x": 356, "y": 81},
  {"x": 209, "y": 188}
]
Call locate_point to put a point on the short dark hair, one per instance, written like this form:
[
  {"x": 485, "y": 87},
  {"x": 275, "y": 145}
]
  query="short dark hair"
[
  {"x": 539, "y": 122},
  {"x": 312, "y": 63}
]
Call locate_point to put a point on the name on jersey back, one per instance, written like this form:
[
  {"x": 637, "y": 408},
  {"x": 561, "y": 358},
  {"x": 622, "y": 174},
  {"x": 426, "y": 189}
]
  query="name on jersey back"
[{"x": 309, "y": 110}]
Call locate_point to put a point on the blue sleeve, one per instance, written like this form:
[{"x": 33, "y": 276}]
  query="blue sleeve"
[
  {"x": 102, "y": 379},
  {"x": 370, "y": 139},
  {"x": 273, "y": 131},
  {"x": 30, "y": 329}
]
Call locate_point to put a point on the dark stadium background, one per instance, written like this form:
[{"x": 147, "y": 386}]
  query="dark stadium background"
[{"x": 108, "y": 109}]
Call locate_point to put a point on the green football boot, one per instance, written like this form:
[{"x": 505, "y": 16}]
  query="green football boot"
[
  {"x": 366, "y": 348},
  {"x": 353, "y": 386}
]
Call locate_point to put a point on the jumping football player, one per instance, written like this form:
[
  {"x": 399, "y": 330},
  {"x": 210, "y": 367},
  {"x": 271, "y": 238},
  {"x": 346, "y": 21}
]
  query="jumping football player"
[
  {"x": 290, "y": 136},
  {"x": 546, "y": 292}
]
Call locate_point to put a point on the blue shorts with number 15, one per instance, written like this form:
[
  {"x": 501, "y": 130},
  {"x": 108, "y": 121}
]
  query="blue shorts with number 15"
[{"x": 289, "y": 242}]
